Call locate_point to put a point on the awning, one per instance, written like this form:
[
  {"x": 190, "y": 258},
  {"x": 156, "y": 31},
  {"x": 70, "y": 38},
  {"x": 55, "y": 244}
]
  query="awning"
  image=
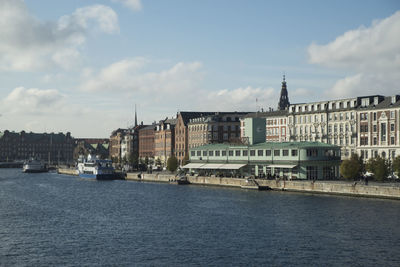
[
  {"x": 211, "y": 166},
  {"x": 193, "y": 165},
  {"x": 282, "y": 166},
  {"x": 232, "y": 166}
]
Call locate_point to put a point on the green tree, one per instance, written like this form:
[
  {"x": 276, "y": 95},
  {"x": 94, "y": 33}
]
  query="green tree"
[
  {"x": 185, "y": 160},
  {"x": 379, "y": 166},
  {"x": 172, "y": 163},
  {"x": 352, "y": 168},
  {"x": 396, "y": 165},
  {"x": 146, "y": 160},
  {"x": 133, "y": 160},
  {"x": 124, "y": 160},
  {"x": 158, "y": 162}
]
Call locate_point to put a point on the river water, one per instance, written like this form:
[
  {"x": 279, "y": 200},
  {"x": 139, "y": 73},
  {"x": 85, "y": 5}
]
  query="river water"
[{"x": 51, "y": 219}]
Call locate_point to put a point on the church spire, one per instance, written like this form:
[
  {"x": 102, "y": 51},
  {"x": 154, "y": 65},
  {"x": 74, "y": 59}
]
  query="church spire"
[
  {"x": 284, "y": 99},
  {"x": 135, "y": 116}
]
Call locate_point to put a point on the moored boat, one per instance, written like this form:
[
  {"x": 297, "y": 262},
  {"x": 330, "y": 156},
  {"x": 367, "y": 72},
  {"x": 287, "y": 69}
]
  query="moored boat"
[
  {"x": 95, "y": 168},
  {"x": 34, "y": 165}
]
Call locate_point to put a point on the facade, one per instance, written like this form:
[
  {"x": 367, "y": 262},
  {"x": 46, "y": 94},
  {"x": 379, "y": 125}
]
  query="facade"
[
  {"x": 181, "y": 132},
  {"x": 379, "y": 127},
  {"x": 332, "y": 122},
  {"x": 95, "y": 146},
  {"x": 115, "y": 144},
  {"x": 146, "y": 141},
  {"x": 50, "y": 147},
  {"x": 221, "y": 127},
  {"x": 291, "y": 160},
  {"x": 366, "y": 125},
  {"x": 164, "y": 140}
]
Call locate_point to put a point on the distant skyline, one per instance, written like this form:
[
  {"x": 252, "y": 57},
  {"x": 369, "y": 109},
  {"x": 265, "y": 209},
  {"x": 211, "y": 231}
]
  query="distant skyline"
[{"x": 81, "y": 66}]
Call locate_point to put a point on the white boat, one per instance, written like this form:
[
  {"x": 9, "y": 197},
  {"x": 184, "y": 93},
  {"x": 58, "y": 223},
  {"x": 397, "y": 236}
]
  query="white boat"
[
  {"x": 95, "y": 168},
  {"x": 34, "y": 165}
]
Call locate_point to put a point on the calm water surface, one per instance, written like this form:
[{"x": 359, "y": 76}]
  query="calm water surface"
[{"x": 50, "y": 219}]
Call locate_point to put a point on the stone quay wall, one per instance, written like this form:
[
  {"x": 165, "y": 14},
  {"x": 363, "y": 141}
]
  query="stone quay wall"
[
  {"x": 67, "y": 171},
  {"x": 324, "y": 187}
]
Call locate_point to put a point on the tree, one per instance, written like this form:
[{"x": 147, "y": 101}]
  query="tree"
[
  {"x": 352, "y": 168},
  {"x": 396, "y": 165},
  {"x": 172, "y": 163},
  {"x": 146, "y": 160},
  {"x": 158, "y": 162},
  {"x": 133, "y": 160},
  {"x": 379, "y": 166},
  {"x": 185, "y": 160}
]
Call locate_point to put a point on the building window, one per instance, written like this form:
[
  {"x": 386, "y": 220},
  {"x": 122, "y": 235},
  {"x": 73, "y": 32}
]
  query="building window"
[
  {"x": 252, "y": 153},
  {"x": 392, "y": 114},
  {"x": 285, "y": 152},
  {"x": 192, "y": 153},
  {"x": 260, "y": 152},
  {"x": 223, "y": 152},
  {"x": 211, "y": 153},
  {"x": 375, "y": 141},
  {"x": 268, "y": 152},
  {"x": 392, "y": 126},
  {"x": 245, "y": 153},
  {"x": 312, "y": 152},
  {"x": 392, "y": 140},
  {"x": 204, "y": 153},
  {"x": 277, "y": 152},
  {"x": 237, "y": 153},
  {"x": 374, "y": 116},
  {"x": 375, "y": 127},
  {"x": 230, "y": 153},
  {"x": 217, "y": 153},
  {"x": 383, "y": 131},
  {"x": 294, "y": 152}
]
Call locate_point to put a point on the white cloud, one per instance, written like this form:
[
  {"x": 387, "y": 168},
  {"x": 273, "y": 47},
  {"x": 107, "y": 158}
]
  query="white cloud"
[
  {"x": 32, "y": 101},
  {"x": 127, "y": 75},
  {"x": 28, "y": 44},
  {"x": 135, "y": 5},
  {"x": 371, "y": 54},
  {"x": 241, "y": 99}
]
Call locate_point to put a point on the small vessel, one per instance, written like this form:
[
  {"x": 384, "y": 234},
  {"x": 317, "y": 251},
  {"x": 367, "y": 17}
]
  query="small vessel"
[
  {"x": 95, "y": 168},
  {"x": 34, "y": 165}
]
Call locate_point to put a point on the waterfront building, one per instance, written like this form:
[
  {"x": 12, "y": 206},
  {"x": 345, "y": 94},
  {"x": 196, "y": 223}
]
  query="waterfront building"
[
  {"x": 379, "y": 128},
  {"x": 220, "y": 127},
  {"x": 115, "y": 144},
  {"x": 146, "y": 141},
  {"x": 54, "y": 148},
  {"x": 291, "y": 160},
  {"x": 343, "y": 122},
  {"x": 181, "y": 132},
  {"x": 164, "y": 140},
  {"x": 94, "y": 146}
]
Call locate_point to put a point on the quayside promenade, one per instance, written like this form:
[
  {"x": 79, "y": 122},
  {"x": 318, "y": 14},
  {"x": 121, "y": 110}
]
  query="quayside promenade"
[{"x": 357, "y": 189}]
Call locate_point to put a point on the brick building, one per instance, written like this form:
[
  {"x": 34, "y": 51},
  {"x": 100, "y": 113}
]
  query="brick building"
[
  {"x": 164, "y": 140},
  {"x": 146, "y": 141},
  {"x": 53, "y": 148},
  {"x": 181, "y": 132},
  {"x": 221, "y": 127}
]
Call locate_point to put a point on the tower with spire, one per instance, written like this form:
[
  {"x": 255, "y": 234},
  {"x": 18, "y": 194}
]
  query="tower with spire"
[
  {"x": 135, "y": 117},
  {"x": 284, "y": 99}
]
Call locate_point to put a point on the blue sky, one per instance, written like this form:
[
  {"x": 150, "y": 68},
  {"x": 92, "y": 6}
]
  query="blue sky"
[{"x": 81, "y": 66}]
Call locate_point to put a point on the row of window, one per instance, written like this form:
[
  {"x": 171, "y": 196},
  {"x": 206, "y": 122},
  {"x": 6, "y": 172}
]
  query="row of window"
[{"x": 244, "y": 153}]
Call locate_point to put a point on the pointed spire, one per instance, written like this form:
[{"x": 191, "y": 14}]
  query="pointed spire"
[
  {"x": 284, "y": 99},
  {"x": 135, "y": 117}
]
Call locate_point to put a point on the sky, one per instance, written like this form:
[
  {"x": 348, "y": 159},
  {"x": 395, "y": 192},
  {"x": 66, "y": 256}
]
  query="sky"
[{"x": 81, "y": 66}]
